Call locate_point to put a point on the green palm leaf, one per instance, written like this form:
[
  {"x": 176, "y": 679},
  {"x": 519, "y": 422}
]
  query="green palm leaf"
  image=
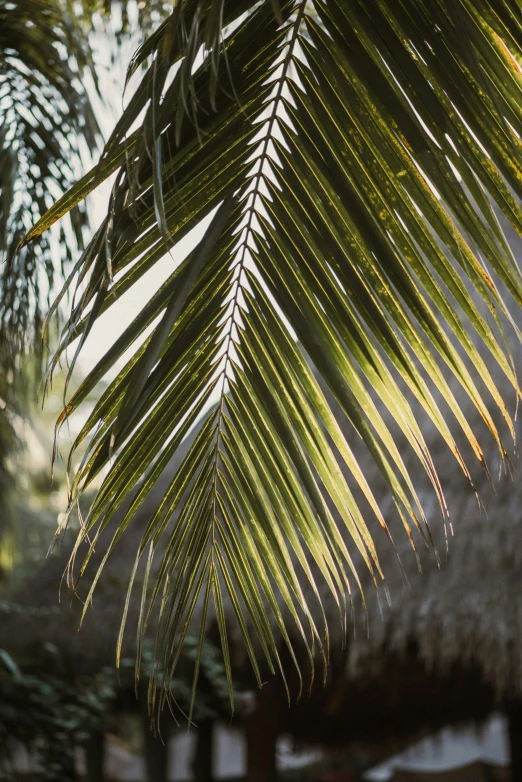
[{"x": 353, "y": 162}]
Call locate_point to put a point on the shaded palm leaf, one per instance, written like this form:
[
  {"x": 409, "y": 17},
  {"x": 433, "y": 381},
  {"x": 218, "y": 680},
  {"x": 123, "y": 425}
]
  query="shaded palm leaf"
[
  {"x": 45, "y": 116},
  {"x": 350, "y": 159}
]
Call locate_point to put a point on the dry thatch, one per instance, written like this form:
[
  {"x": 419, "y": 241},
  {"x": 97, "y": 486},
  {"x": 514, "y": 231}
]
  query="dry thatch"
[
  {"x": 468, "y": 611},
  {"x": 471, "y": 608}
]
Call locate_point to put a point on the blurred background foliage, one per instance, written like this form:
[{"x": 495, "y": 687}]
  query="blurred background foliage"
[
  {"x": 51, "y": 715},
  {"x": 125, "y": 16}
]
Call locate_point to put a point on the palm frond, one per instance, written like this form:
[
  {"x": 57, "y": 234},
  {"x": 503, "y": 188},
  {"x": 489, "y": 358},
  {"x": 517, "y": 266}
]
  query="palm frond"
[
  {"x": 351, "y": 160},
  {"x": 45, "y": 116}
]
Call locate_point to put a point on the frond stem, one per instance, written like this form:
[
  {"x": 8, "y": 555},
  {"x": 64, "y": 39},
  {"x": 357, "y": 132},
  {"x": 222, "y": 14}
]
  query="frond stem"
[{"x": 263, "y": 156}]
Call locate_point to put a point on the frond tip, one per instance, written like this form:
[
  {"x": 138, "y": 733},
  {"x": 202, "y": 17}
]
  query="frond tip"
[{"x": 352, "y": 159}]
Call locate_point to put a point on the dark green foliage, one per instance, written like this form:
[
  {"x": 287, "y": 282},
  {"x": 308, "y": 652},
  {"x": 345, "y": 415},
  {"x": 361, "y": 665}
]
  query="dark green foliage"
[{"x": 49, "y": 715}]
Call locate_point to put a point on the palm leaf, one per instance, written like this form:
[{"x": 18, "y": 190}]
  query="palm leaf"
[
  {"x": 353, "y": 162},
  {"x": 45, "y": 117}
]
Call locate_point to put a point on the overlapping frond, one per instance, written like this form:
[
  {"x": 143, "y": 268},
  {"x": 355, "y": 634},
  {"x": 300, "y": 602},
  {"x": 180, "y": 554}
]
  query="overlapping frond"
[
  {"x": 350, "y": 159},
  {"x": 45, "y": 116}
]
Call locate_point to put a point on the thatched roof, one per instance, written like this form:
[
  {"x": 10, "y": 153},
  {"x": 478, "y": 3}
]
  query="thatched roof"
[
  {"x": 469, "y": 610},
  {"x": 393, "y": 701}
]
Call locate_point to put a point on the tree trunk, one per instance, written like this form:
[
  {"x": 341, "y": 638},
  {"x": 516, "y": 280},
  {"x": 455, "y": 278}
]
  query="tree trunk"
[
  {"x": 156, "y": 756},
  {"x": 155, "y": 747},
  {"x": 514, "y": 715},
  {"x": 94, "y": 757},
  {"x": 202, "y": 763},
  {"x": 261, "y": 736},
  {"x": 58, "y": 758}
]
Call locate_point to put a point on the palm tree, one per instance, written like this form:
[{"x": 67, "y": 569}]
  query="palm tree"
[
  {"x": 45, "y": 118},
  {"x": 45, "y": 115},
  {"x": 343, "y": 171},
  {"x": 46, "y": 125}
]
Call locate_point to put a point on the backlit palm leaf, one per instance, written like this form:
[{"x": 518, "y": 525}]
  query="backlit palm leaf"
[{"x": 350, "y": 159}]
